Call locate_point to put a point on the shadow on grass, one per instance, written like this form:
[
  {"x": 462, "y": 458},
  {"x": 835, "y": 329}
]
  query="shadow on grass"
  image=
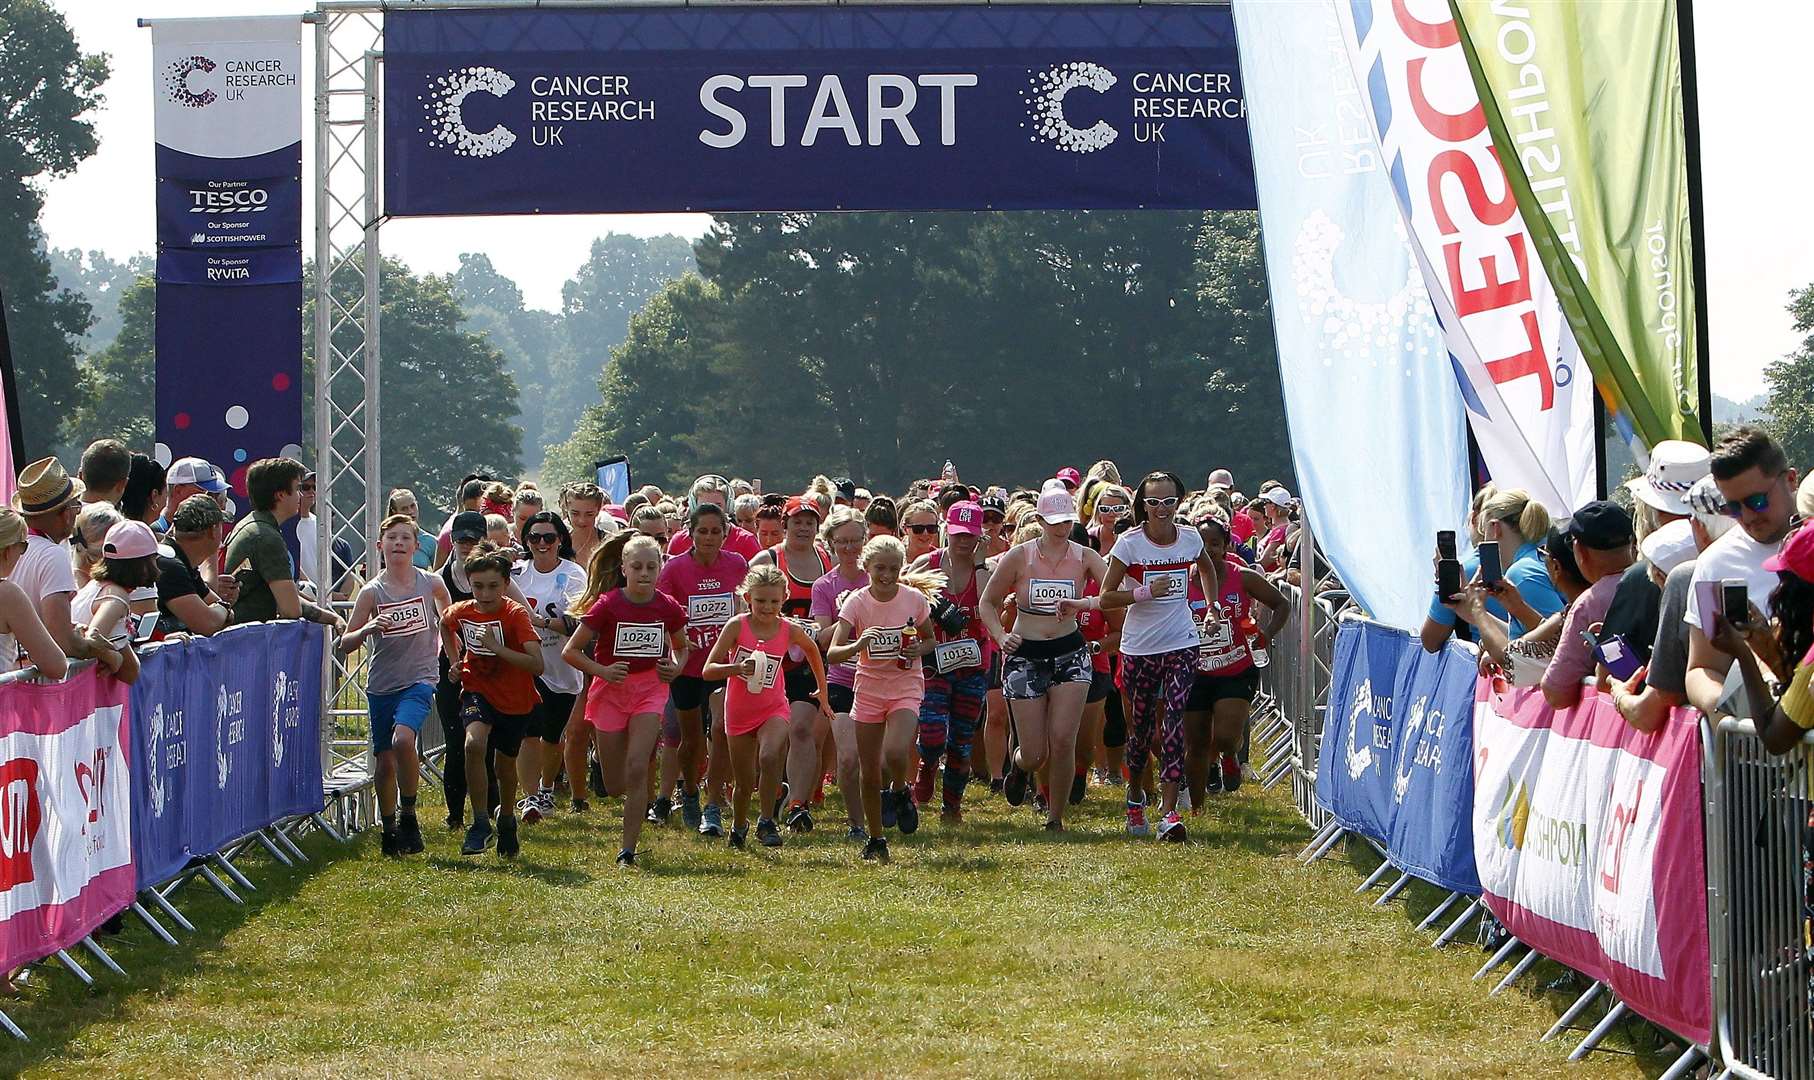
[
  {"x": 1554, "y": 984},
  {"x": 492, "y": 863},
  {"x": 56, "y": 1009}
]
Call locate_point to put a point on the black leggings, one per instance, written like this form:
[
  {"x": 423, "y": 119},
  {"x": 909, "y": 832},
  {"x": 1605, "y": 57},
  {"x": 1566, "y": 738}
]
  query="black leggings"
[{"x": 1114, "y": 724}]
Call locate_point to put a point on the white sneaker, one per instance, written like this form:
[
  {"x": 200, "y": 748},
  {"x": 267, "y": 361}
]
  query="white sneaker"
[
  {"x": 1184, "y": 800},
  {"x": 544, "y": 800},
  {"x": 529, "y": 809}
]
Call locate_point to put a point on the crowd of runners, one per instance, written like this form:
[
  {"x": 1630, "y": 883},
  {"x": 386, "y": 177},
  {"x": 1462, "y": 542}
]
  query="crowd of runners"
[{"x": 732, "y": 654}]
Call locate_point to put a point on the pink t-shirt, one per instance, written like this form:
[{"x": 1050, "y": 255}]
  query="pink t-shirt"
[
  {"x": 826, "y": 591},
  {"x": 878, "y": 669},
  {"x": 739, "y": 541},
  {"x": 708, "y": 595}
]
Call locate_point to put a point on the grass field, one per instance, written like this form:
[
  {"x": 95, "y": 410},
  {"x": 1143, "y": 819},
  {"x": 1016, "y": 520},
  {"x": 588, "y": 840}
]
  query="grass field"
[{"x": 995, "y": 950}]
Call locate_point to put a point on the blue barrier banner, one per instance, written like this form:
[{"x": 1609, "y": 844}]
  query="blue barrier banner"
[
  {"x": 775, "y": 107},
  {"x": 228, "y": 118},
  {"x": 1354, "y": 770},
  {"x": 1375, "y": 417},
  {"x": 1433, "y": 771},
  {"x": 230, "y": 735}
]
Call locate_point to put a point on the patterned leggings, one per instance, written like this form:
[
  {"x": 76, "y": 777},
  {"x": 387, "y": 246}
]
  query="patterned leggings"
[
  {"x": 948, "y": 717},
  {"x": 1151, "y": 681},
  {"x": 1807, "y": 909}
]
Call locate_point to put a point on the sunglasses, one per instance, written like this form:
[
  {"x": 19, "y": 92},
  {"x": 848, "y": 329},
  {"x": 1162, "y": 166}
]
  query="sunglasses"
[
  {"x": 1160, "y": 504},
  {"x": 1757, "y": 504},
  {"x": 1116, "y": 508},
  {"x": 923, "y": 530},
  {"x": 544, "y": 538}
]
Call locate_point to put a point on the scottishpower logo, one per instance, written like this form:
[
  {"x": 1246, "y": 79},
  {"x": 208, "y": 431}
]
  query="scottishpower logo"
[
  {"x": 442, "y": 111},
  {"x": 176, "y": 82},
  {"x": 1045, "y": 96}
]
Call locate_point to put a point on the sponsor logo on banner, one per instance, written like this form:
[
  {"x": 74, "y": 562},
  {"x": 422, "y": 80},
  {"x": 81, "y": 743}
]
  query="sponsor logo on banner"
[
  {"x": 229, "y": 731},
  {"x": 176, "y": 82},
  {"x": 21, "y": 816}
]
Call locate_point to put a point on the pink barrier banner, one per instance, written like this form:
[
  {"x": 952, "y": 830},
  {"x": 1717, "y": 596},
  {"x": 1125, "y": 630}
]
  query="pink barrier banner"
[
  {"x": 1589, "y": 840},
  {"x": 65, "y": 809}
]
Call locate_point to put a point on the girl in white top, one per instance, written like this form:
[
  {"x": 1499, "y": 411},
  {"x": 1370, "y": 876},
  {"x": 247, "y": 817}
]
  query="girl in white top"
[{"x": 103, "y": 606}]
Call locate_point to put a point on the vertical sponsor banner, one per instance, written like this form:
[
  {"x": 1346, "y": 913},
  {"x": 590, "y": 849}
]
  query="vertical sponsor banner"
[
  {"x": 65, "y": 814},
  {"x": 1584, "y": 102},
  {"x": 1432, "y": 833},
  {"x": 1589, "y": 840},
  {"x": 1529, "y": 401},
  {"x": 1369, "y": 395},
  {"x": 228, "y": 119}
]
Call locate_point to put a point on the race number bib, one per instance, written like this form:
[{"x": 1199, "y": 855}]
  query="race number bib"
[
  {"x": 1217, "y": 646},
  {"x": 476, "y": 637},
  {"x": 766, "y": 664},
  {"x": 886, "y": 645},
  {"x": 957, "y": 655},
  {"x": 639, "y": 641},
  {"x": 710, "y": 609},
  {"x": 405, "y": 618},
  {"x": 1180, "y": 584},
  {"x": 1043, "y": 594}
]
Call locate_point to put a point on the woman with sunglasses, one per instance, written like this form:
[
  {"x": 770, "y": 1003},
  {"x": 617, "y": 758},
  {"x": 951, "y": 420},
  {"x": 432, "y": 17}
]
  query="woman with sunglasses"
[
  {"x": 919, "y": 529},
  {"x": 550, "y": 581},
  {"x": 1158, "y": 641}
]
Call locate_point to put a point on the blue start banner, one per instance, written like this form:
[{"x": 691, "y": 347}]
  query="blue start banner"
[
  {"x": 228, "y": 731},
  {"x": 918, "y": 107},
  {"x": 1397, "y": 752},
  {"x": 228, "y": 117}
]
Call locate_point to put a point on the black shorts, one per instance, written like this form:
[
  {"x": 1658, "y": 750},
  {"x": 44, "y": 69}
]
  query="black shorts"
[
  {"x": 690, "y": 691},
  {"x": 1102, "y": 684},
  {"x": 1114, "y": 721},
  {"x": 1209, "y": 689},
  {"x": 549, "y": 720},
  {"x": 507, "y": 731},
  {"x": 843, "y": 698},
  {"x": 801, "y": 685}
]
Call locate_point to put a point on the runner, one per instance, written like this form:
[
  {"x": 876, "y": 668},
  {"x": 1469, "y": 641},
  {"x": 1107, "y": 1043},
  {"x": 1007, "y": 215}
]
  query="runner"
[
  {"x": 584, "y": 504},
  {"x": 845, "y": 533},
  {"x": 919, "y": 529},
  {"x": 888, "y": 622},
  {"x": 1221, "y": 698},
  {"x": 1046, "y": 668},
  {"x": 712, "y": 490},
  {"x": 1103, "y": 732},
  {"x": 631, "y": 642},
  {"x": 881, "y": 517},
  {"x": 803, "y": 563},
  {"x": 996, "y": 539},
  {"x": 749, "y": 653},
  {"x": 771, "y": 524},
  {"x": 499, "y": 657},
  {"x": 705, "y": 582},
  {"x": 957, "y": 671},
  {"x": 551, "y": 582},
  {"x": 398, "y": 610},
  {"x": 1158, "y": 641}
]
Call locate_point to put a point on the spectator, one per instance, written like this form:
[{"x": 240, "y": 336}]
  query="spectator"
[
  {"x": 1275, "y": 504},
  {"x": 104, "y": 468},
  {"x": 256, "y": 553},
  {"x": 1758, "y": 485},
  {"x": 1601, "y": 535},
  {"x": 1525, "y": 656},
  {"x": 191, "y": 475},
  {"x": 143, "y": 497},
  {"x": 1788, "y": 653},
  {"x": 49, "y": 501},
  {"x": 186, "y": 603},
  {"x": 306, "y": 529},
  {"x": 1515, "y": 521},
  {"x": 22, "y": 633},
  {"x": 92, "y": 524},
  {"x": 1661, "y": 501},
  {"x": 403, "y": 501},
  {"x": 103, "y": 606}
]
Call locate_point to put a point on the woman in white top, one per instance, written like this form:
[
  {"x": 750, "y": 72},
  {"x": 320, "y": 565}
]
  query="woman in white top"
[
  {"x": 103, "y": 606},
  {"x": 551, "y": 581},
  {"x": 22, "y": 633}
]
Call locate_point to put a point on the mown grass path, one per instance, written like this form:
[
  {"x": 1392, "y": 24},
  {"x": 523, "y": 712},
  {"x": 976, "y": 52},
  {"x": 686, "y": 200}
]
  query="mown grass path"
[{"x": 990, "y": 950}]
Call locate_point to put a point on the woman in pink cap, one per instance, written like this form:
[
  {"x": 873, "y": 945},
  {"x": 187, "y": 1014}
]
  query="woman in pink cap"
[
  {"x": 957, "y": 670},
  {"x": 128, "y": 562}
]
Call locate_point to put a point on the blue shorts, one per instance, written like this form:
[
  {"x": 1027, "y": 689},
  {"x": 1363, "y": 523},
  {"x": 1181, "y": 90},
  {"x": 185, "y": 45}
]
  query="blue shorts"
[{"x": 409, "y": 707}]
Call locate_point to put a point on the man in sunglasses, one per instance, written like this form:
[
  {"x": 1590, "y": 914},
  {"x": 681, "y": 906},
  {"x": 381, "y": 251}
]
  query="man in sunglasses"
[{"x": 1759, "y": 488}]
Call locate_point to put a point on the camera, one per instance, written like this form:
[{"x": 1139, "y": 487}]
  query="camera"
[{"x": 948, "y": 617}]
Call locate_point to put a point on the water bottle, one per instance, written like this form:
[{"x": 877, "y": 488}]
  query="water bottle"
[
  {"x": 909, "y": 637},
  {"x": 1256, "y": 641}
]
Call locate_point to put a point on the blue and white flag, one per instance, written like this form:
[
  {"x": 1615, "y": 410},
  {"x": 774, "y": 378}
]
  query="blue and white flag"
[{"x": 1376, "y": 422}]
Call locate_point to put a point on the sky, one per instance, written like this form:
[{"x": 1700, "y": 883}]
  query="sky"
[{"x": 1754, "y": 167}]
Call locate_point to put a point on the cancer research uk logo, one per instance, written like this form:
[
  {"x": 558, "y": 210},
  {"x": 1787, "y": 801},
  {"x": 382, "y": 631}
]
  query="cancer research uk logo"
[
  {"x": 442, "y": 111},
  {"x": 1045, "y": 96},
  {"x": 176, "y": 82}
]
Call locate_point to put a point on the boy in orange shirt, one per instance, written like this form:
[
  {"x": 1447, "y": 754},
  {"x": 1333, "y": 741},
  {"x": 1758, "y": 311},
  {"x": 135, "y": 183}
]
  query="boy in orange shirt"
[{"x": 494, "y": 654}]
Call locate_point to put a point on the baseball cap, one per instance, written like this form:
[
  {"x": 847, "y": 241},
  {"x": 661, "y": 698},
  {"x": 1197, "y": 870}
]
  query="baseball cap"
[
  {"x": 992, "y": 502},
  {"x": 1675, "y": 465},
  {"x": 468, "y": 525},
  {"x": 1804, "y": 497},
  {"x": 1278, "y": 496},
  {"x": 1055, "y": 504},
  {"x": 1070, "y": 476},
  {"x": 1669, "y": 546},
  {"x": 196, "y": 515},
  {"x": 129, "y": 540},
  {"x": 964, "y": 519},
  {"x": 1601, "y": 525},
  {"x": 1796, "y": 556},
  {"x": 845, "y": 487},
  {"x": 799, "y": 504},
  {"x": 196, "y": 471}
]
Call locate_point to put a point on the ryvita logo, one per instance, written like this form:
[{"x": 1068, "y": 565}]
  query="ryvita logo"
[
  {"x": 1045, "y": 95},
  {"x": 176, "y": 81},
  {"x": 441, "y": 111}
]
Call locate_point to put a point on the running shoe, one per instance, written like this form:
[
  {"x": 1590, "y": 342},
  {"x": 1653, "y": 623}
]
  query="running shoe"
[
  {"x": 409, "y": 835},
  {"x": 1231, "y": 773},
  {"x": 1053, "y": 825},
  {"x": 689, "y": 808},
  {"x": 1042, "y": 799},
  {"x": 478, "y": 838},
  {"x": 1136, "y": 819},
  {"x": 529, "y": 809},
  {"x": 1014, "y": 785},
  {"x": 507, "y": 838},
  {"x": 876, "y": 850},
  {"x": 768, "y": 834},
  {"x": 738, "y": 836},
  {"x": 626, "y": 857},
  {"x": 455, "y": 822},
  {"x": 595, "y": 779},
  {"x": 544, "y": 800},
  {"x": 890, "y": 817},
  {"x": 387, "y": 844},
  {"x": 800, "y": 819},
  {"x": 1171, "y": 829},
  {"x": 858, "y": 833},
  {"x": 780, "y": 801},
  {"x": 995, "y": 785},
  {"x": 579, "y": 806},
  {"x": 1079, "y": 784},
  {"x": 923, "y": 781},
  {"x": 711, "y": 823},
  {"x": 1213, "y": 785},
  {"x": 660, "y": 809},
  {"x": 1184, "y": 797},
  {"x": 906, "y": 812}
]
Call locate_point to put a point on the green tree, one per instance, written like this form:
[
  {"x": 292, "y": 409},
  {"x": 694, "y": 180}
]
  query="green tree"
[
  {"x": 1790, "y": 408},
  {"x": 47, "y": 88},
  {"x": 118, "y": 382},
  {"x": 528, "y": 338},
  {"x": 102, "y": 282}
]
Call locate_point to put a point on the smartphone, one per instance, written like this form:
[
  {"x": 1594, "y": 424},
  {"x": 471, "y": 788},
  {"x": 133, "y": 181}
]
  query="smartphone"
[
  {"x": 1445, "y": 544},
  {"x": 1735, "y": 602},
  {"x": 1490, "y": 570},
  {"x": 1448, "y": 577},
  {"x": 1621, "y": 663}
]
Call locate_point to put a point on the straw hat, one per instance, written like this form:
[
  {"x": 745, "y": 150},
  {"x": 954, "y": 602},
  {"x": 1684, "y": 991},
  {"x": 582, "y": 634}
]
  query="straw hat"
[
  {"x": 45, "y": 488},
  {"x": 12, "y": 528}
]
